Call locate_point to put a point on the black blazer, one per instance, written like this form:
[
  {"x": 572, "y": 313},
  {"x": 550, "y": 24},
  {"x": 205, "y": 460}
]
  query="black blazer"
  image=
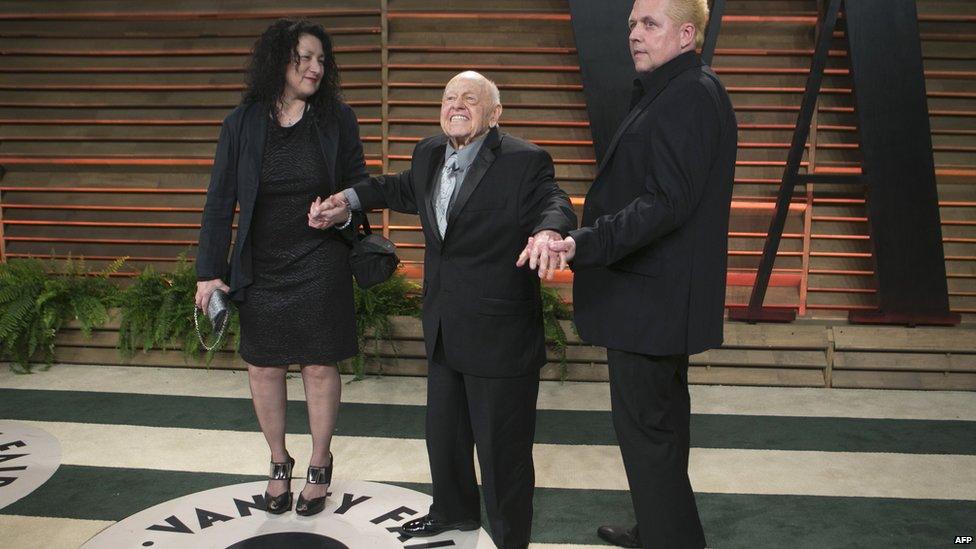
[
  {"x": 651, "y": 256},
  {"x": 488, "y": 311},
  {"x": 234, "y": 180}
]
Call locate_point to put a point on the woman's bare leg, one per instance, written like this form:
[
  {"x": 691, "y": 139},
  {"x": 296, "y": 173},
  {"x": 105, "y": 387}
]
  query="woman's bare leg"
[
  {"x": 270, "y": 397},
  {"x": 323, "y": 389}
]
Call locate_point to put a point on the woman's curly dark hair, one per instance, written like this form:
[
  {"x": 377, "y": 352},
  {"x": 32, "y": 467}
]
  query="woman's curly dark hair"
[{"x": 276, "y": 51}]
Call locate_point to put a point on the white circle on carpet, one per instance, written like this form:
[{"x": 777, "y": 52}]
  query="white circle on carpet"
[
  {"x": 28, "y": 457},
  {"x": 357, "y": 514}
]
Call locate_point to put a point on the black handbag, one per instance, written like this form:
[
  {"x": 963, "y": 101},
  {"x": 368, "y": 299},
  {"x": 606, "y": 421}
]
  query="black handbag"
[{"x": 373, "y": 259}]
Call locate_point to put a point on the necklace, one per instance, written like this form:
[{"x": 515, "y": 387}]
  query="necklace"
[{"x": 287, "y": 120}]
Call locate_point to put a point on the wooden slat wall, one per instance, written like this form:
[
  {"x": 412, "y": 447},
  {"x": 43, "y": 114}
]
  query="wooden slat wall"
[
  {"x": 803, "y": 354},
  {"x": 109, "y": 113},
  {"x": 841, "y": 269},
  {"x": 762, "y": 54}
]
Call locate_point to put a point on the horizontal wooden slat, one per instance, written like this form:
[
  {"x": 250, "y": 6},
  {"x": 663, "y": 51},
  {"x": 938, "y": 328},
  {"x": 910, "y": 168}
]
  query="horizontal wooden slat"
[
  {"x": 905, "y": 339},
  {"x": 140, "y": 87},
  {"x": 913, "y": 362},
  {"x": 117, "y": 160},
  {"x": 181, "y": 15},
  {"x": 937, "y": 381},
  {"x": 129, "y": 122},
  {"x": 187, "y": 69},
  {"x": 770, "y": 377}
]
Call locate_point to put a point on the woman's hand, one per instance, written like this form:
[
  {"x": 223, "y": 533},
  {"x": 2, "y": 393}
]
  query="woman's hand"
[
  {"x": 323, "y": 214},
  {"x": 205, "y": 288}
]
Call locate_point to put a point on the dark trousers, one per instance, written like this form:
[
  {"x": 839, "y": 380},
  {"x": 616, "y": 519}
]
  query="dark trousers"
[
  {"x": 651, "y": 412},
  {"x": 496, "y": 415}
]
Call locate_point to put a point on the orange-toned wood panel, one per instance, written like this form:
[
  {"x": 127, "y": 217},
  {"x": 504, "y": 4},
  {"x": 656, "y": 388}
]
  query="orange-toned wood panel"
[
  {"x": 109, "y": 116},
  {"x": 108, "y": 122}
]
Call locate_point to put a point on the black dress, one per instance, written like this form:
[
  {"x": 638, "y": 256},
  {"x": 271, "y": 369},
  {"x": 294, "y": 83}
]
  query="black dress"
[{"x": 299, "y": 309}]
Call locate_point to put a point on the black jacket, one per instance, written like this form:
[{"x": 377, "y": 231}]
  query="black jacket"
[
  {"x": 234, "y": 180},
  {"x": 487, "y": 310},
  {"x": 651, "y": 256}
]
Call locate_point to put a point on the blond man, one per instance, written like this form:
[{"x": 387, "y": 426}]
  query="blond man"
[{"x": 650, "y": 262}]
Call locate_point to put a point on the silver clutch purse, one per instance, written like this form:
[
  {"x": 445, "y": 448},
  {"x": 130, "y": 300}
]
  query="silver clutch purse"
[{"x": 218, "y": 311}]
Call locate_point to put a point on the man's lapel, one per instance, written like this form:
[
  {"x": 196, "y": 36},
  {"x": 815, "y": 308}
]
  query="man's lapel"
[
  {"x": 655, "y": 84},
  {"x": 434, "y": 164},
  {"x": 640, "y": 107},
  {"x": 486, "y": 155}
]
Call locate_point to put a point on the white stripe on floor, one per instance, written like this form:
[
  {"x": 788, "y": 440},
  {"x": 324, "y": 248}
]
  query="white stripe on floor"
[
  {"x": 772, "y": 401},
  {"x": 850, "y": 474},
  {"x": 22, "y": 532}
]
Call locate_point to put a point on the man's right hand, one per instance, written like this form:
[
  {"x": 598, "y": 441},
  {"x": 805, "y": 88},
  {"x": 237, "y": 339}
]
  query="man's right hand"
[{"x": 205, "y": 288}]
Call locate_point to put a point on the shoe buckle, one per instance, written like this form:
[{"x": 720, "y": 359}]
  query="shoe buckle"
[
  {"x": 319, "y": 475},
  {"x": 280, "y": 471}
]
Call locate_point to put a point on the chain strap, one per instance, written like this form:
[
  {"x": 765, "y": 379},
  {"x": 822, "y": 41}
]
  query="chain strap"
[{"x": 220, "y": 334}]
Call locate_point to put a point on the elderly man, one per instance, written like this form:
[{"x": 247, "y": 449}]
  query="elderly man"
[
  {"x": 650, "y": 261},
  {"x": 480, "y": 195}
]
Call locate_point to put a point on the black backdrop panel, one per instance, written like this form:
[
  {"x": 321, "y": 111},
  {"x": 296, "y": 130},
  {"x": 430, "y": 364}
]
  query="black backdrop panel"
[
  {"x": 896, "y": 144},
  {"x": 608, "y": 72}
]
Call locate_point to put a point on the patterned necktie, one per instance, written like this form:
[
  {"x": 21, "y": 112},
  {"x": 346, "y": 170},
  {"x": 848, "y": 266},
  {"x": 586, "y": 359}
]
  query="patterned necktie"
[{"x": 448, "y": 182}]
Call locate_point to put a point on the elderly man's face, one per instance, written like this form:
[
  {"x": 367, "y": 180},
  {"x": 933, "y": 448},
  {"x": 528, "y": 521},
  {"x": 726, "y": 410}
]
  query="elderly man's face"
[
  {"x": 467, "y": 110},
  {"x": 654, "y": 38}
]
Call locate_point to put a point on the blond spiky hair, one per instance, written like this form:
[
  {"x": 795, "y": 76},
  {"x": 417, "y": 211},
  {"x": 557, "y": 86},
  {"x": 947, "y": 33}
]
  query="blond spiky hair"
[{"x": 691, "y": 11}]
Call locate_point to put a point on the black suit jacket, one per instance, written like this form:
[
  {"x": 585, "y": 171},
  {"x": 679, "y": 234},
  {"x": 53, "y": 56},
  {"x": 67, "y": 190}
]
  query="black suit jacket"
[
  {"x": 651, "y": 256},
  {"x": 487, "y": 311},
  {"x": 234, "y": 180}
]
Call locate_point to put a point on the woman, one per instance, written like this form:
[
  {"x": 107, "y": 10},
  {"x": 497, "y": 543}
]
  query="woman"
[{"x": 290, "y": 141}]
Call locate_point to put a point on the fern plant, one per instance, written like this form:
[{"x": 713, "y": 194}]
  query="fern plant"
[
  {"x": 374, "y": 307},
  {"x": 554, "y": 309},
  {"x": 157, "y": 312},
  {"x": 37, "y": 298}
]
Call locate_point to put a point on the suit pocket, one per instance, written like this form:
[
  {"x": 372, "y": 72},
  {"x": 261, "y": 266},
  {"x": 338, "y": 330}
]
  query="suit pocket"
[{"x": 504, "y": 307}]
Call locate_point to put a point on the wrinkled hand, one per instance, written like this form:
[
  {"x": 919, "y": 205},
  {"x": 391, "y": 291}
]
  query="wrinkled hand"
[
  {"x": 538, "y": 254},
  {"x": 566, "y": 249},
  {"x": 323, "y": 214},
  {"x": 205, "y": 288}
]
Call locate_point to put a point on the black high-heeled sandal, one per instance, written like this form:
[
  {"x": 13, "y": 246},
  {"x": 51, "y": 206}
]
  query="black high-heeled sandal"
[
  {"x": 282, "y": 502},
  {"x": 316, "y": 475}
]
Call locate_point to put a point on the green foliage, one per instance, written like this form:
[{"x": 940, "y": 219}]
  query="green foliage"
[
  {"x": 374, "y": 307},
  {"x": 37, "y": 298},
  {"x": 157, "y": 312},
  {"x": 554, "y": 309}
]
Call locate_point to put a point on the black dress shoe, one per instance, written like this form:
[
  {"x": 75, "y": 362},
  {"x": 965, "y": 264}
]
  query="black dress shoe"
[
  {"x": 428, "y": 526},
  {"x": 620, "y": 536}
]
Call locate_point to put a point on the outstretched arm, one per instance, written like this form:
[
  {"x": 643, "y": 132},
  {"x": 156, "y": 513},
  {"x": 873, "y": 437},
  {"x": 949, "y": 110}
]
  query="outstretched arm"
[{"x": 545, "y": 212}]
